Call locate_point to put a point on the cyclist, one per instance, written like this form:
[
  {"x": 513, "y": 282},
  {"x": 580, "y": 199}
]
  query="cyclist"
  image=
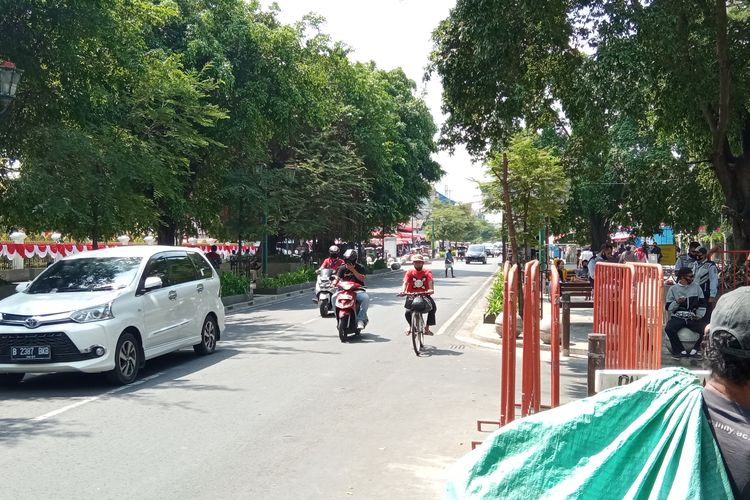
[
  {"x": 352, "y": 271},
  {"x": 419, "y": 280}
]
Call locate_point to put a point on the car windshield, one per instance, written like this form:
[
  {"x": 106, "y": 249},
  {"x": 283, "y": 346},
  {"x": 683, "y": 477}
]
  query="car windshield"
[
  {"x": 476, "y": 248},
  {"x": 87, "y": 275}
]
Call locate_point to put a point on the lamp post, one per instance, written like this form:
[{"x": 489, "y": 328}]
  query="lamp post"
[{"x": 9, "y": 78}]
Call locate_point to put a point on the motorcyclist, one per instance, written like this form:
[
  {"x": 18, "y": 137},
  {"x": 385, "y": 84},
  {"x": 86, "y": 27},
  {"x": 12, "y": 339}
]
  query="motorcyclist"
[
  {"x": 419, "y": 280},
  {"x": 333, "y": 261},
  {"x": 352, "y": 271}
]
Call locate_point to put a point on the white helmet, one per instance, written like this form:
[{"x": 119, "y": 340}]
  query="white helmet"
[{"x": 333, "y": 251}]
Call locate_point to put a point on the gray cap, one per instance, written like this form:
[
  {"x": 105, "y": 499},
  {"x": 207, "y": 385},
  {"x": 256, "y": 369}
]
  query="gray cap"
[{"x": 732, "y": 315}]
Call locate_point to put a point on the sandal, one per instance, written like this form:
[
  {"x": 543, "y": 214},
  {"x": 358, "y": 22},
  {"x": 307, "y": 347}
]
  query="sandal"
[
  {"x": 407, "y": 332},
  {"x": 427, "y": 331}
]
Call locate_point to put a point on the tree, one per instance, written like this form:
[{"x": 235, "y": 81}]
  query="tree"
[
  {"x": 538, "y": 187},
  {"x": 677, "y": 69}
]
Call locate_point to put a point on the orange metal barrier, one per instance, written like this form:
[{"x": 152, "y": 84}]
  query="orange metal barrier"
[
  {"x": 508, "y": 348},
  {"x": 531, "y": 368},
  {"x": 629, "y": 310},
  {"x": 531, "y": 375},
  {"x": 554, "y": 297}
]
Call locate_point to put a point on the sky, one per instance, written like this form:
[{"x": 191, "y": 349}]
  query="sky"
[{"x": 395, "y": 33}]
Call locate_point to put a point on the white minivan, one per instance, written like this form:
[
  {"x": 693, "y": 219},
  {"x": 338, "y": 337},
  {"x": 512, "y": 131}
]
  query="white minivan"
[{"x": 110, "y": 311}]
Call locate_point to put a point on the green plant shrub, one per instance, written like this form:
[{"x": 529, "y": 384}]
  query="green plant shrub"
[
  {"x": 304, "y": 274},
  {"x": 379, "y": 264},
  {"x": 495, "y": 298},
  {"x": 232, "y": 284}
]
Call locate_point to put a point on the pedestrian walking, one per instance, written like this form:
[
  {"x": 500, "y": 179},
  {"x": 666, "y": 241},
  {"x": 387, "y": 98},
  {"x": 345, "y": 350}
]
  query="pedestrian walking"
[{"x": 449, "y": 263}]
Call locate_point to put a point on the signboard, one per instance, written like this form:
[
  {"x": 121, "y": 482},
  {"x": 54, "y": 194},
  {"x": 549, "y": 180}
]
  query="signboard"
[
  {"x": 668, "y": 255},
  {"x": 606, "y": 379},
  {"x": 389, "y": 246}
]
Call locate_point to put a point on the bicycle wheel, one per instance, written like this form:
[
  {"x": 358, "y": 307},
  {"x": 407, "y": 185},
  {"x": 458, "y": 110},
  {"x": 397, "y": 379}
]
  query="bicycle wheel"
[
  {"x": 416, "y": 332},
  {"x": 421, "y": 332}
]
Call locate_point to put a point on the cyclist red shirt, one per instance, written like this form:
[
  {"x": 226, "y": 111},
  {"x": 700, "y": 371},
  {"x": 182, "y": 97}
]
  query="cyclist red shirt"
[{"x": 418, "y": 281}]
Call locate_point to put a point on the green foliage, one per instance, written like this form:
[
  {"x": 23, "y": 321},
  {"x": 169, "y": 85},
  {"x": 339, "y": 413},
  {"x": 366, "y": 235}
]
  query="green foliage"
[
  {"x": 636, "y": 123},
  {"x": 304, "y": 274},
  {"x": 538, "y": 186},
  {"x": 233, "y": 284},
  {"x": 454, "y": 223},
  {"x": 379, "y": 264},
  {"x": 175, "y": 116},
  {"x": 495, "y": 297}
]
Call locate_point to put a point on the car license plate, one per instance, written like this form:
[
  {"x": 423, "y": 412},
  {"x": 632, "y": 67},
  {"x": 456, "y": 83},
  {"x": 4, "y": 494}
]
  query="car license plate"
[{"x": 20, "y": 353}]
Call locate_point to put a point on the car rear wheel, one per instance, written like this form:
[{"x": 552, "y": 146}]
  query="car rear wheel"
[
  {"x": 209, "y": 332},
  {"x": 8, "y": 379},
  {"x": 127, "y": 360}
]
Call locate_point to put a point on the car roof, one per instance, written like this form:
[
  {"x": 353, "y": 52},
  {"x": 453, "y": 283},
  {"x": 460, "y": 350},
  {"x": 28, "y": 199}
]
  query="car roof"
[{"x": 131, "y": 251}]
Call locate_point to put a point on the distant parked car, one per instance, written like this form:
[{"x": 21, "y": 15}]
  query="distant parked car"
[
  {"x": 476, "y": 253},
  {"x": 110, "y": 311}
]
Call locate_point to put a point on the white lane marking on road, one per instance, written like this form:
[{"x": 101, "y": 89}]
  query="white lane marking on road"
[
  {"x": 54, "y": 413},
  {"x": 466, "y": 304}
]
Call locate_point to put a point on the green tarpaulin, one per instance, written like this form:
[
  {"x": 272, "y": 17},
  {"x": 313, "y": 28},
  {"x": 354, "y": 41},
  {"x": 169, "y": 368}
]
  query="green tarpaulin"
[{"x": 648, "y": 439}]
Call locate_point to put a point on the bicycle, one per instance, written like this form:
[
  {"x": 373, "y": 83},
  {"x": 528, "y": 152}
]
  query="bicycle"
[{"x": 416, "y": 328}]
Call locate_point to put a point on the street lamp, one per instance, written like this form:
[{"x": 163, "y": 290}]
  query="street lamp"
[{"x": 9, "y": 78}]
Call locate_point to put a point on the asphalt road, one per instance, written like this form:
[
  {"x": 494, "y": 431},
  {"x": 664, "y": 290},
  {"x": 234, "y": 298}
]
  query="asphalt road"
[{"x": 282, "y": 410}]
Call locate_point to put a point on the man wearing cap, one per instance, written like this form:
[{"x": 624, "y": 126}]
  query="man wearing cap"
[
  {"x": 707, "y": 277},
  {"x": 727, "y": 393},
  {"x": 419, "y": 280},
  {"x": 687, "y": 259}
]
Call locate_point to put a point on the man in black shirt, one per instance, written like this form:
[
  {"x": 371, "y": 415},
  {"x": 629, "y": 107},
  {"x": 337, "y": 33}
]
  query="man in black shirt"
[
  {"x": 353, "y": 271},
  {"x": 727, "y": 394}
]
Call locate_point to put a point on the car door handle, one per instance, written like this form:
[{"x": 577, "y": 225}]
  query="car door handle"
[
  {"x": 199, "y": 287},
  {"x": 172, "y": 295}
]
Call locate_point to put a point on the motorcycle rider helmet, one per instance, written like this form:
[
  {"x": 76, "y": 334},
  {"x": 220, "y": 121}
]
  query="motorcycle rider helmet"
[
  {"x": 333, "y": 251},
  {"x": 350, "y": 255}
]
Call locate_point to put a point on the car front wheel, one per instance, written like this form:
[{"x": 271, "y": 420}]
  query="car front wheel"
[
  {"x": 127, "y": 360},
  {"x": 209, "y": 332}
]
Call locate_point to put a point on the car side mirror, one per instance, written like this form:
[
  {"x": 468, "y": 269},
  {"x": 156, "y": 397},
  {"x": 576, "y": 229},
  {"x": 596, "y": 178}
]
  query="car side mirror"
[
  {"x": 152, "y": 283},
  {"x": 22, "y": 286}
]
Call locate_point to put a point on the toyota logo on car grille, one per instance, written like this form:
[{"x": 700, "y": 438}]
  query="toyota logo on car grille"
[{"x": 32, "y": 323}]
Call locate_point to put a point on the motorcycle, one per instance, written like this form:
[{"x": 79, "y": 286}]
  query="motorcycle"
[
  {"x": 324, "y": 292},
  {"x": 347, "y": 309}
]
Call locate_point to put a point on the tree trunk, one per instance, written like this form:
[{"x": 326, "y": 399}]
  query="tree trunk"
[
  {"x": 599, "y": 231},
  {"x": 166, "y": 233},
  {"x": 512, "y": 231}
]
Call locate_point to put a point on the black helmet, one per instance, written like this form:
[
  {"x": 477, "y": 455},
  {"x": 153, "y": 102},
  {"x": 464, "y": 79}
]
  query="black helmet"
[
  {"x": 333, "y": 251},
  {"x": 350, "y": 255}
]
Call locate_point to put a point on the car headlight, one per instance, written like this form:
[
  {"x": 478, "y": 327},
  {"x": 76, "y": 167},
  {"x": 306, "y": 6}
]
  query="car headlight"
[{"x": 97, "y": 313}]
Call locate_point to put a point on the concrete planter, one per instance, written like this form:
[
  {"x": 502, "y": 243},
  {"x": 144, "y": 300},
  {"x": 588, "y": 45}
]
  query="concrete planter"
[
  {"x": 284, "y": 289},
  {"x": 499, "y": 326},
  {"x": 276, "y": 268},
  {"x": 489, "y": 318}
]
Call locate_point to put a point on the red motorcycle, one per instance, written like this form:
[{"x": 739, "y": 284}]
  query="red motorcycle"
[{"x": 346, "y": 309}]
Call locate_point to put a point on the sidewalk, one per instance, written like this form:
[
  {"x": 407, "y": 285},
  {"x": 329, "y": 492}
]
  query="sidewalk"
[{"x": 581, "y": 324}]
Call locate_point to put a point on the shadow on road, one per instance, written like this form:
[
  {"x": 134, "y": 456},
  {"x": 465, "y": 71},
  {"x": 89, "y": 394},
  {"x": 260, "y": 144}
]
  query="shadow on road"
[
  {"x": 429, "y": 350},
  {"x": 64, "y": 386}
]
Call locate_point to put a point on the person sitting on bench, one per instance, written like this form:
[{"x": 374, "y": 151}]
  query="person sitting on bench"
[{"x": 687, "y": 304}]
